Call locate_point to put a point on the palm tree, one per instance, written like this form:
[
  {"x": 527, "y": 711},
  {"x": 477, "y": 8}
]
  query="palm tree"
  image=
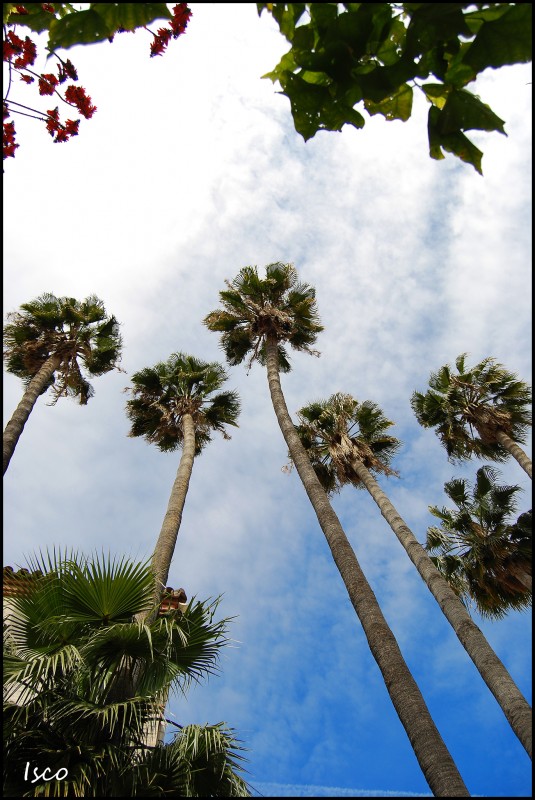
[
  {"x": 65, "y": 643},
  {"x": 259, "y": 316},
  {"x": 174, "y": 406},
  {"x": 485, "y": 559},
  {"x": 483, "y": 411},
  {"x": 347, "y": 442},
  {"x": 46, "y": 342}
]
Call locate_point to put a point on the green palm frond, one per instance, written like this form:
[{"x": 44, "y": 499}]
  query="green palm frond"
[
  {"x": 478, "y": 550},
  {"x": 183, "y": 384},
  {"x": 214, "y": 756},
  {"x": 469, "y": 406},
  {"x": 80, "y": 331},
  {"x": 339, "y": 430},
  {"x": 254, "y": 308}
]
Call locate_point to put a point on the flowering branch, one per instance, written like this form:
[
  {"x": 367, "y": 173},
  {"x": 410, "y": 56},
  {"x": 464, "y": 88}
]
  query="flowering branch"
[{"x": 20, "y": 54}]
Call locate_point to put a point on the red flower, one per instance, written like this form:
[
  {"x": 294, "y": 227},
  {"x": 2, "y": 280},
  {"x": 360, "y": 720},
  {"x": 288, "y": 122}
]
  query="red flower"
[
  {"x": 21, "y": 9},
  {"x": 48, "y": 7},
  {"x": 27, "y": 78},
  {"x": 13, "y": 45},
  {"x": 52, "y": 123},
  {"x": 181, "y": 17},
  {"x": 47, "y": 83},
  {"x": 70, "y": 70},
  {"x": 178, "y": 23},
  {"x": 29, "y": 53},
  {"x": 66, "y": 69},
  {"x": 76, "y": 96},
  {"x": 71, "y": 126},
  {"x": 161, "y": 40},
  {"x": 8, "y": 140}
]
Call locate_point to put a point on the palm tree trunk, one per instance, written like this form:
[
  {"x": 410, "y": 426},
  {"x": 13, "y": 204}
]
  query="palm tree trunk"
[
  {"x": 431, "y": 752},
  {"x": 165, "y": 546},
  {"x": 508, "y": 444},
  {"x": 511, "y": 700},
  {"x": 16, "y": 424},
  {"x": 164, "y": 550}
]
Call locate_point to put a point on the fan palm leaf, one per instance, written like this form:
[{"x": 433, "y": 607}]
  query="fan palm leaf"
[{"x": 63, "y": 706}]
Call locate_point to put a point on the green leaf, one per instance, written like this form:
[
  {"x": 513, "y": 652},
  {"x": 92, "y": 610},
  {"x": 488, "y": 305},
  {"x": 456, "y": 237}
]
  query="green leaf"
[
  {"x": 36, "y": 19},
  {"x": 131, "y": 15},
  {"x": 101, "y": 21},
  {"x": 318, "y": 78},
  {"x": 314, "y": 109},
  {"x": 398, "y": 106},
  {"x": 464, "y": 111},
  {"x": 286, "y": 64},
  {"x": 456, "y": 143},
  {"x": 435, "y": 23},
  {"x": 506, "y": 40},
  {"x": 436, "y": 93},
  {"x": 389, "y": 51},
  {"x": 83, "y": 27},
  {"x": 287, "y": 15}
]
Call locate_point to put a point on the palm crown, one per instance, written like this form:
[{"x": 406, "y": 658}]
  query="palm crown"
[
  {"x": 181, "y": 385},
  {"x": 470, "y": 407},
  {"x": 339, "y": 430},
  {"x": 76, "y": 331},
  {"x": 66, "y": 644},
  {"x": 478, "y": 550},
  {"x": 255, "y": 308}
]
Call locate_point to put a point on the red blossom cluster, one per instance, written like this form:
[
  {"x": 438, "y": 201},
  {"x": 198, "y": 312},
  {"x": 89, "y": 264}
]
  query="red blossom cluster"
[
  {"x": 59, "y": 132},
  {"x": 76, "y": 96},
  {"x": 177, "y": 26},
  {"x": 8, "y": 136},
  {"x": 24, "y": 50}
]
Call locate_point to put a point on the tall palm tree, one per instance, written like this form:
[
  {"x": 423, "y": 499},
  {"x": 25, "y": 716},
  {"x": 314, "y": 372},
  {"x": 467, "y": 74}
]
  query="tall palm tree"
[
  {"x": 174, "y": 406},
  {"x": 65, "y": 643},
  {"x": 485, "y": 559},
  {"x": 46, "y": 343},
  {"x": 347, "y": 442},
  {"x": 483, "y": 411},
  {"x": 259, "y": 316}
]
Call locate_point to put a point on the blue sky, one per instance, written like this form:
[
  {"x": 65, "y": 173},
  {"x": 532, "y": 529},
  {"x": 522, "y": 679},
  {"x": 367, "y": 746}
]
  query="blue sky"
[{"x": 190, "y": 170}]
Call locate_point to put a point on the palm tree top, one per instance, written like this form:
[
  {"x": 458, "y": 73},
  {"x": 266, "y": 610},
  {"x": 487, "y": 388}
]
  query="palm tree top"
[
  {"x": 469, "y": 406},
  {"x": 183, "y": 384},
  {"x": 66, "y": 327},
  {"x": 476, "y": 547},
  {"x": 255, "y": 308},
  {"x": 341, "y": 429}
]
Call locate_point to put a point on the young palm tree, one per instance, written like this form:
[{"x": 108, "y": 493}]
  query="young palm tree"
[
  {"x": 347, "y": 442},
  {"x": 484, "y": 558},
  {"x": 174, "y": 406},
  {"x": 46, "y": 342},
  {"x": 64, "y": 648},
  {"x": 483, "y": 411},
  {"x": 259, "y": 316}
]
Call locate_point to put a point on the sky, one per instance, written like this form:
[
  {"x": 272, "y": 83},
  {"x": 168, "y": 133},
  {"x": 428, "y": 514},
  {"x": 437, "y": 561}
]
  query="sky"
[{"x": 190, "y": 170}]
